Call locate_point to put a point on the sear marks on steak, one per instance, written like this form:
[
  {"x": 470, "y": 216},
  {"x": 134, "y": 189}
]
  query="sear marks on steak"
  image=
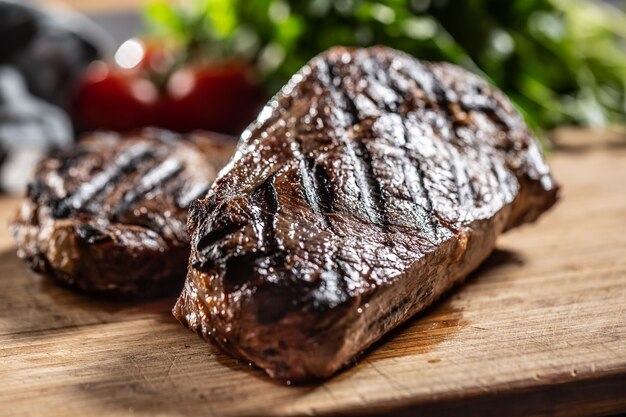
[
  {"x": 365, "y": 189},
  {"x": 109, "y": 215}
]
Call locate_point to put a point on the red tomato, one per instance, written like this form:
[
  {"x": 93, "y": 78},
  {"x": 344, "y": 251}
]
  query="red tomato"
[
  {"x": 223, "y": 97},
  {"x": 109, "y": 99},
  {"x": 220, "y": 97}
]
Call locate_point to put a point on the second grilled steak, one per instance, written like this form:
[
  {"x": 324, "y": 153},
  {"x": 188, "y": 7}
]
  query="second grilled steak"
[
  {"x": 109, "y": 214},
  {"x": 371, "y": 184}
]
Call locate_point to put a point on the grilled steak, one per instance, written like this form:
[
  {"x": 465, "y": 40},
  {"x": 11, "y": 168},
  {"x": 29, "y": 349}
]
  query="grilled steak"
[
  {"x": 365, "y": 189},
  {"x": 110, "y": 214}
]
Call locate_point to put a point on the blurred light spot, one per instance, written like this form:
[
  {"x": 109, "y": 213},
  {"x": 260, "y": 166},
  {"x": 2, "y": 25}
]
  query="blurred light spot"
[
  {"x": 161, "y": 61},
  {"x": 129, "y": 54},
  {"x": 319, "y": 8},
  {"x": 420, "y": 5},
  {"x": 502, "y": 43},
  {"x": 420, "y": 27},
  {"x": 271, "y": 57},
  {"x": 98, "y": 71},
  {"x": 588, "y": 108},
  {"x": 546, "y": 24},
  {"x": 344, "y": 6},
  {"x": 144, "y": 91},
  {"x": 278, "y": 11},
  {"x": 181, "y": 83},
  {"x": 246, "y": 41},
  {"x": 383, "y": 14}
]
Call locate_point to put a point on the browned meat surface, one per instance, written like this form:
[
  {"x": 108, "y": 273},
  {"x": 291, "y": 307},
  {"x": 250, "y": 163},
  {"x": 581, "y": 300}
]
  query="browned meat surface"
[
  {"x": 369, "y": 186},
  {"x": 110, "y": 214}
]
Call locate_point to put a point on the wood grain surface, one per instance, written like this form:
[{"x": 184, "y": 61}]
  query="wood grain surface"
[{"x": 539, "y": 329}]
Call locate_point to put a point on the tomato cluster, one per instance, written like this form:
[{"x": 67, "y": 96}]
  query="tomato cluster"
[{"x": 144, "y": 88}]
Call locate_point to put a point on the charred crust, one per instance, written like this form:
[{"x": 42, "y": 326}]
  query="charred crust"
[
  {"x": 115, "y": 199},
  {"x": 91, "y": 234},
  {"x": 300, "y": 231}
]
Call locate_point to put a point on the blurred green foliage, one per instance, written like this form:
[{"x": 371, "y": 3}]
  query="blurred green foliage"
[{"x": 560, "y": 61}]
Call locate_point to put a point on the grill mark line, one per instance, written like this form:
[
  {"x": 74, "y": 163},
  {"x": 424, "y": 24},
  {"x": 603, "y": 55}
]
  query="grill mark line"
[
  {"x": 487, "y": 105},
  {"x": 385, "y": 84},
  {"x": 217, "y": 234},
  {"x": 361, "y": 158},
  {"x": 366, "y": 180},
  {"x": 150, "y": 180},
  {"x": 318, "y": 191},
  {"x": 125, "y": 162},
  {"x": 413, "y": 180},
  {"x": 266, "y": 206}
]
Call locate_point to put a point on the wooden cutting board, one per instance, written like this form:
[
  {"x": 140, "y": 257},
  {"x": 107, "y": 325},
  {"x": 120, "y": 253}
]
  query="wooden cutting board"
[{"x": 539, "y": 329}]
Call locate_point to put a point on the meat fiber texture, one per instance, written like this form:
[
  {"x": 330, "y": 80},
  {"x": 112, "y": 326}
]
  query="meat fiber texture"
[
  {"x": 109, "y": 214},
  {"x": 365, "y": 189}
]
